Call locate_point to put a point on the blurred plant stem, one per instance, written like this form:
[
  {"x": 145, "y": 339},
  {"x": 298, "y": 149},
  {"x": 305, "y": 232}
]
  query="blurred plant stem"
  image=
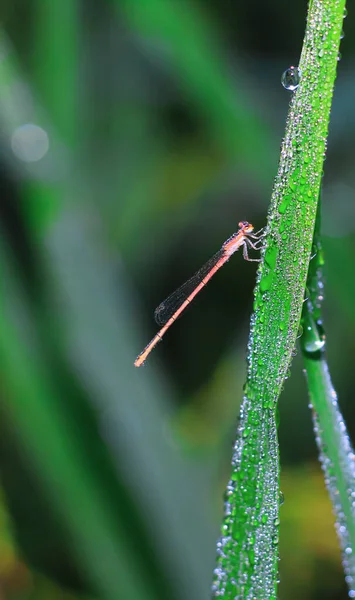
[
  {"x": 335, "y": 450},
  {"x": 55, "y": 62},
  {"x": 48, "y": 440},
  {"x": 191, "y": 43},
  {"x": 87, "y": 313}
]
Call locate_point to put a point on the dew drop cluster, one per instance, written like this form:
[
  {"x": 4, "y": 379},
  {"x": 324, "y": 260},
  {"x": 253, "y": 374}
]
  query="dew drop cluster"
[
  {"x": 247, "y": 554},
  {"x": 250, "y": 533}
]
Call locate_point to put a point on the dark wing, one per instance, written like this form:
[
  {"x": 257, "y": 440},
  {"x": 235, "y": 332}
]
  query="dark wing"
[{"x": 168, "y": 307}]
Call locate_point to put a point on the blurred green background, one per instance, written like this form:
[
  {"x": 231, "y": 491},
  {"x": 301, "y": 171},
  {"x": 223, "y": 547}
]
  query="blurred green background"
[{"x": 135, "y": 134}]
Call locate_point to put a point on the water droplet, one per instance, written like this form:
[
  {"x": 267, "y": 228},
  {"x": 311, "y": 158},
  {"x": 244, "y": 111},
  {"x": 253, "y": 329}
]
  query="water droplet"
[
  {"x": 257, "y": 303},
  {"x": 246, "y": 432},
  {"x": 284, "y": 204},
  {"x": 345, "y": 13},
  {"x": 271, "y": 256},
  {"x": 339, "y": 56},
  {"x": 313, "y": 339},
  {"x": 266, "y": 281},
  {"x": 291, "y": 78},
  {"x": 342, "y": 34}
]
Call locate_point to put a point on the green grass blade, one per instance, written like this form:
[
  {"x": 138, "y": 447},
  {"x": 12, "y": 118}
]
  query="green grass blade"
[
  {"x": 55, "y": 63},
  {"x": 17, "y": 109},
  {"x": 51, "y": 445},
  {"x": 98, "y": 332},
  {"x": 248, "y": 548},
  {"x": 194, "y": 53},
  {"x": 339, "y": 253},
  {"x": 335, "y": 450},
  {"x": 96, "y": 329}
]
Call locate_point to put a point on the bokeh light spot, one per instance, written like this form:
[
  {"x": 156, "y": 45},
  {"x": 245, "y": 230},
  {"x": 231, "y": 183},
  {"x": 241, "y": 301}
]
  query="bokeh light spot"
[{"x": 29, "y": 142}]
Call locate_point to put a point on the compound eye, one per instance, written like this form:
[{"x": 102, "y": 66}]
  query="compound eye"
[{"x": 243, "y": 224}]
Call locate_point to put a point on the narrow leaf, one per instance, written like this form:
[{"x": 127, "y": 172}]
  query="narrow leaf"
[
  {"x": 335, "y": 451},
  {"x": 247, "y": 561}
]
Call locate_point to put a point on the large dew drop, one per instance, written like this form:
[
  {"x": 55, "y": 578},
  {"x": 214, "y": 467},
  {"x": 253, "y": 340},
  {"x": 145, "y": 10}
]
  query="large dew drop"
[{"x": 291, "y": 78}]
